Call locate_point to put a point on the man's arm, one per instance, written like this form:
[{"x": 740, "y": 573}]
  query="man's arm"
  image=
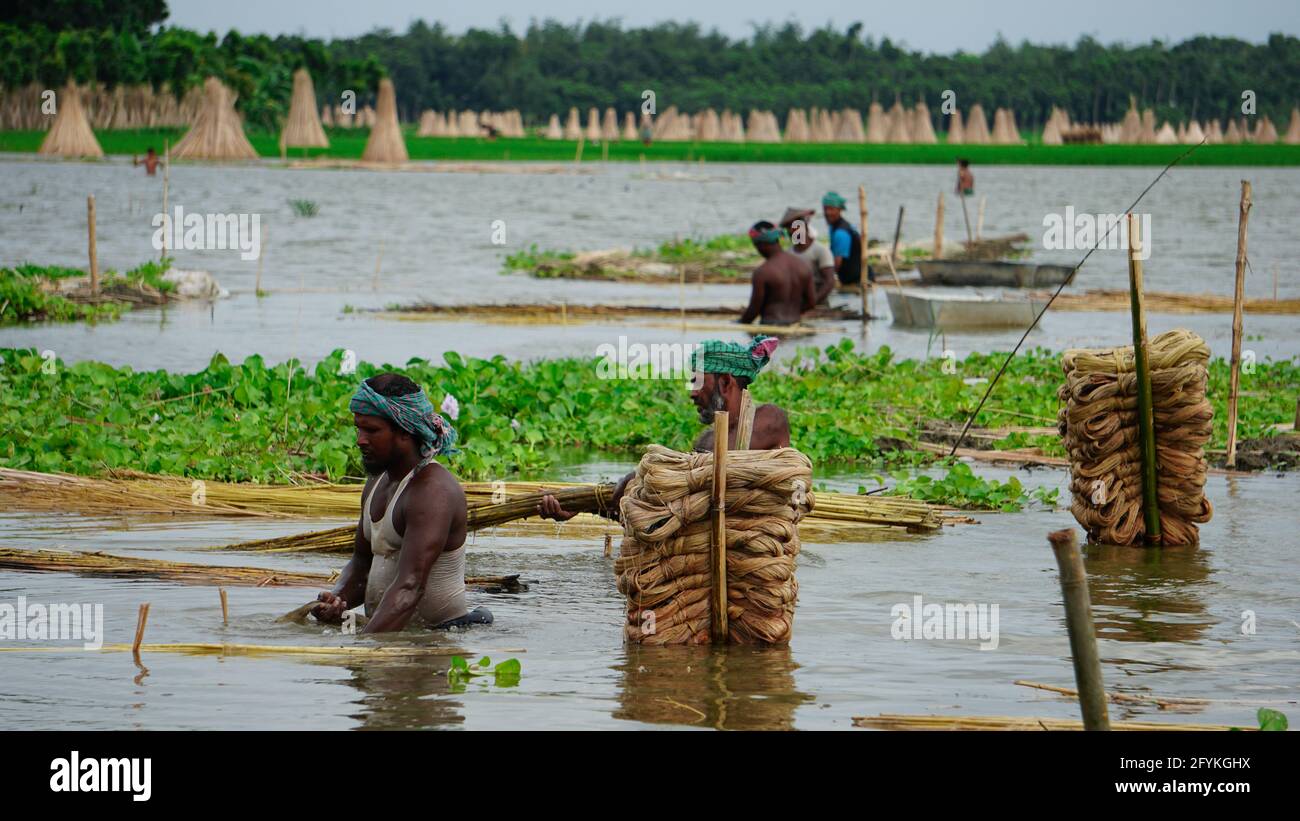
[
  {"x": 809, "y": 291},
  {"x": 841, "y": 246},
  {"x": 771, "y": 428},
  {"x": 828, "y": 284},
  {"x": 350, "y": 590},
  {"x": 428, "y": 515},
  {"x": 757, "y": 296}
]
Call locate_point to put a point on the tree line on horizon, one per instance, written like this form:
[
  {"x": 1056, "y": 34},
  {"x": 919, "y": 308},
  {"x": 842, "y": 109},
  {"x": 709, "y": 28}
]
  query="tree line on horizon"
[{"x": 552, "y": 66}]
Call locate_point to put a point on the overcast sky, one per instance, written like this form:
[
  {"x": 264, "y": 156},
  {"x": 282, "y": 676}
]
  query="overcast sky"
[{"x": 927, "y": 25}]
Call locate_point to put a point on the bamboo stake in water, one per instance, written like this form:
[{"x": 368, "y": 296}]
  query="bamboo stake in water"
[
  {"x": 141, "y": 620},
  {"x": 1083, "y": 638},
  {"x": 718, "y": 531},
  {"x": 167, "y": 220},
  {"x": 979, "y": 221},
  {"x": 225, "y": 607},
  {"x": 938, "y": 229},
  {"x": 1146, "y": 417},
  {"x": 1238, "y": 297},
  {"x": 94, "y": 252},
  {"x": 577, "y": 158},
  {"x": 898, "y": 230},
  {"x": 864, "y": 281},
  {"x": 965, "y": 215}
]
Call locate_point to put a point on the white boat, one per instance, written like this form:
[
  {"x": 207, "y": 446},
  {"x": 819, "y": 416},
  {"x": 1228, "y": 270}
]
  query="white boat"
[{"x": 930, "y": 309}]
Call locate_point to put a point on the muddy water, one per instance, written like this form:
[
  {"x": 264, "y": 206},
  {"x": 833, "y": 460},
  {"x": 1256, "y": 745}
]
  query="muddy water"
[
  {"x": 430, "y": 235},
  {"x": 1170, "y": 623}
]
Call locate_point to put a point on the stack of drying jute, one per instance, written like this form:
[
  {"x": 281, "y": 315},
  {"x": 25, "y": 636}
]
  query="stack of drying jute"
[
  {"x": 663, "y": 566},
  {"x": 1099, "y": 428}
]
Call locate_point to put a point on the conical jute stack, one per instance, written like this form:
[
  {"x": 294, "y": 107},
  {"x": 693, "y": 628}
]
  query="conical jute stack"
[
  {"x": 664, "y": 566},
  {"x": 553, "y": 130},
  {"x": 1130, "y": 130},
  {"x": 763, "y": 127},
  {"x": 303, "y": 128},
  {"x": 796, "y": 126},
  {"x": 593, "y": 125},
  {"x": 877, "y": 124},
  {"x": 956, "y": 130},
  {"x": 1166, "y": 135},
  {"x": 1099, "y": 429},
  {"x": 385, "y": 144},
  {"x": 70, "y": 134},
  {"x": 900, "y": 127},
  {"x": 217, "y": 133},
  {"x": 977, "y": 126},
  {"x": 922, "y": 128},
  {"x": 1292, "y": 135},
  {"x": 629, "y": 127},
  {"x": 1265, "y": 132},
  {"x": 573, "y": 126},
  {"x": 1194, "y": 135},
  {"x": 609, "y": 126},
  {"x": 848, "y": 128}
]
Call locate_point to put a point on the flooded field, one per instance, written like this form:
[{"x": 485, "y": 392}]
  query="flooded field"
[{"x": 1217, "y": 623}]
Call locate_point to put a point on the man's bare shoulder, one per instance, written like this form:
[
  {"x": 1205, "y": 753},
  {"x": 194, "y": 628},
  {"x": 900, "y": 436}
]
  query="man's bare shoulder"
[{"x": 436, "y": 480}]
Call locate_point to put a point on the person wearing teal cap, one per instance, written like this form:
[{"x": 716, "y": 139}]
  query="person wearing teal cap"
[
  {"x": 781, "y": 289},
  {"x": 408, "y": 557},
  {"x": 723, "y": 374},
  {"x": 846, "y": 244}
]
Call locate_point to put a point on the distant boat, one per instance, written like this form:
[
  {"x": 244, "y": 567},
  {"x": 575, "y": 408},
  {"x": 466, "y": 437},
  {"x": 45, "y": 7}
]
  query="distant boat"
[
  {"x": 992, "y": 274},
  {"x": 928, "y": 309}
]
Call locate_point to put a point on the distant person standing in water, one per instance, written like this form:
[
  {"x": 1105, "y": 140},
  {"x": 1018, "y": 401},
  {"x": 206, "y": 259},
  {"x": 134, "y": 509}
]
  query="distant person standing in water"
[
  {"x": 965, "y": 179},
  {"x": 150, "y": 161}
]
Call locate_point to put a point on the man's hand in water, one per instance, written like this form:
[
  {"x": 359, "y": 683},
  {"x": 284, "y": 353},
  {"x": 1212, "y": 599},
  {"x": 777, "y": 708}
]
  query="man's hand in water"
[
  {"x": 550, "y": 509},
  {"x": 331, "y": 608}
]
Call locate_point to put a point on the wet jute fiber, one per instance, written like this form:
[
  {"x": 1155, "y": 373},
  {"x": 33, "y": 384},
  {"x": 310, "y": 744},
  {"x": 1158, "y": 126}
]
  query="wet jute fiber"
[
  {"x": 663, "y": 565},
  {"x": 1099, "y": 429}
]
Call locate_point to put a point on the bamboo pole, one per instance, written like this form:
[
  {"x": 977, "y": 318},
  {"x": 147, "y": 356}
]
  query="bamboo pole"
[
  {"x": 577, "y": 158},
  {"x": 167, "y": 220},
  {"x": 1238, "y": 297},
  {"x": 965, "y": 215},
  {"x": 938, "y": 229},
  {"x": 225, "y": 607},
  {"x": 718, "y": 531},
  {"x": 257, "y": 288},
  {"x": 1146, "y": 419},
  {"x": 1083, "y": 638},
  {"x": 91, "y": 248},
  {"x": 979, "y": 221},
  {"x": 864, "y": 280},
  {"x": 898, "y": 230},
  {"x": 141, "y": 620}
]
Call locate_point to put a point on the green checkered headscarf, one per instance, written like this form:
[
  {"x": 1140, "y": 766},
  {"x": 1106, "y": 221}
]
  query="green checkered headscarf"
[
  {"x": 716, "y": 356},
  {"x": 413, "y": 413}
]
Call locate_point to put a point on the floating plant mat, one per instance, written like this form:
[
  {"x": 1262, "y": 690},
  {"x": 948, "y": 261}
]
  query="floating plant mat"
[
  {"x": 839, "y": 516},
  {"x": 1167, "y": 303},
  {"x": 105, "y": 564},
  {"x": 893, "y": 721}
]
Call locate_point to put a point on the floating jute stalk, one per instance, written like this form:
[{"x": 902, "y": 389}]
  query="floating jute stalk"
[
  {"x": 1078, "y": 621},
  {"x": 1142, "y": 367},
  {"x": 718, "y": 531},
  {"x": 1238, "y": 298}
]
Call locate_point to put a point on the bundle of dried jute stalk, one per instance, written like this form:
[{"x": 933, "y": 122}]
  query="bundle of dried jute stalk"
[
  {"x": 1099, "y": 429},
  {"x": 663, "y": 565}
]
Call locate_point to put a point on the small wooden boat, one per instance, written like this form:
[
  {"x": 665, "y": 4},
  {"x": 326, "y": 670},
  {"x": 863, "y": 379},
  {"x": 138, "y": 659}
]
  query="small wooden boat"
[
  {"x": 929, "y": 309},
  {"x": 993, "y": 274}
]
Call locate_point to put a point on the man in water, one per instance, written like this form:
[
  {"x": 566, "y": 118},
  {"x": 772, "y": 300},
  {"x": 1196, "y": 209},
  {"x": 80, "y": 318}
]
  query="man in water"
[
  {"x": 150, "y": 161},
  {"x": 781, "y": 289},
  {"x": 965, "y": 178},
  {"x": 723, "y": 373},
  {"x": 803, "y": 244},
  {"x": 408, "y": 559},
  {"x": 846, "y": 244}
]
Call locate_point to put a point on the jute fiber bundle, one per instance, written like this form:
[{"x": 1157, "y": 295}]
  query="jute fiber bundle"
[
  {"x": 70, "y": 134},
  {"x": 1099, "y": 429},
  {"x": 303, "y": 128},
  {"x": 385, "y": 143},
  {"x": 663, "y": 565},
  {"x": 217, "y": 133}
]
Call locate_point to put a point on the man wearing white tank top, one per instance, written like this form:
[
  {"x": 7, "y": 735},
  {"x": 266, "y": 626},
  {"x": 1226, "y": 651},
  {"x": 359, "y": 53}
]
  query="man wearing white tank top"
[{"x": 408, "y": 559}]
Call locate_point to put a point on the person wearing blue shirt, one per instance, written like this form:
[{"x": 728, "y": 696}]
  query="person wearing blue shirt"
[{"x": 846, "y": 244}]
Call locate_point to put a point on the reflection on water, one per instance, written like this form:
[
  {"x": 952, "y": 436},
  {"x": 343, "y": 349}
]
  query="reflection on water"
[
  {"x": 723, "y": 688},
  {"x": 1148, "y": 595},
  {"x": 405, "y": 696}
]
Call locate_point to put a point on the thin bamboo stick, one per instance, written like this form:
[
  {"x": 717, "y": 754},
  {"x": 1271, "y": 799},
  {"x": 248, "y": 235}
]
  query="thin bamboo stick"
[
  {"x": 141, "y": 620},
  {"x": 225, "y": 608},
  {"x": 257, "y": 287},
  {"x": 1146, "y": 419},
  {"x": 1239, "y": 295},
  {"x": 965, "y": 215},
  {"x": 91, "y": 248},
  {"x": 718, "y": 532},
  {"x": 1078, "y": 621},
  {"x": 938, "y": 229},
  {"x": 167, "y": 220},
  {"x": 864, "y": 280},
  {"x": 898, "y": 230}
]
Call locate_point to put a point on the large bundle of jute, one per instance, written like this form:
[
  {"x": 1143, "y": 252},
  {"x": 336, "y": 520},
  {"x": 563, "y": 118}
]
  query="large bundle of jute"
[
  {"x": 217, "y": 133},
  {"x": 1099, "y": 429},
  {"x": 385, "y": 143},
  {"x": 303, "y": 128},
  {"x": 977, "y": 126},
  {"x": 663, "y": 565},
  {"x": 70, "y": 134}
]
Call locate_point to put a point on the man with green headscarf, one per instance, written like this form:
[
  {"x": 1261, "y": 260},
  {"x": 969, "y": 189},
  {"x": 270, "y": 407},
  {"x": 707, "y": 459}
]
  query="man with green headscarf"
[
  {"x": 781, "y": 289},
  {"x": 408, "y": 558},
  {"x": 723, "y": 373}
]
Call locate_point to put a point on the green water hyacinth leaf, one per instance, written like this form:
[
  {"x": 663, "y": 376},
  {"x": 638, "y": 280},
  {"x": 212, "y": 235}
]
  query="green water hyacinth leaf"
[{"x": 1271, "y": 720}]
